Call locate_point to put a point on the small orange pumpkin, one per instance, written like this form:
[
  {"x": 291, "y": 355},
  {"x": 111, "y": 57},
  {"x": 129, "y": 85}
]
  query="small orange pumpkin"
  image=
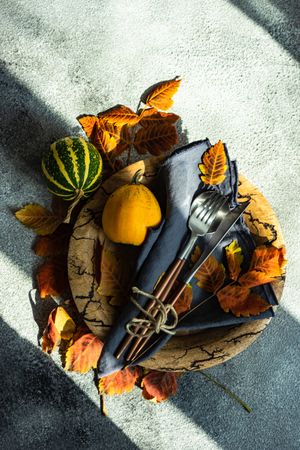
[{"x": 129, "y": 211}]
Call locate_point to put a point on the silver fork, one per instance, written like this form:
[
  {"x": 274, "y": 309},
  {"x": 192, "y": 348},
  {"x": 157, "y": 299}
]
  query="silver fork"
[{"x": 206, "y": 212}]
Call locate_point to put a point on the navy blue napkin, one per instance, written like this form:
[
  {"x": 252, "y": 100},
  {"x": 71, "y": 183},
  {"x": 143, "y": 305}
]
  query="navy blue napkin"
[{"x": 176, "y": 185}]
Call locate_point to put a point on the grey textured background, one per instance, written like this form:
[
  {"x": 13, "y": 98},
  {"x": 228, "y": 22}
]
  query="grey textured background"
[{"x": 239, "y": 62}]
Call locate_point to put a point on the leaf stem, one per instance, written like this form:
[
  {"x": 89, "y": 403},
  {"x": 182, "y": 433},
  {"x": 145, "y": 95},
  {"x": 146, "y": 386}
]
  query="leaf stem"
[
  {"x": 227, "y": 391},
  {"x": 103, "y": 406}
]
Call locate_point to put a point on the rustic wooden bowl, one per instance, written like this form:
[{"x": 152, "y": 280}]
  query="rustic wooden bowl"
[{"x": 182, "y": 353}]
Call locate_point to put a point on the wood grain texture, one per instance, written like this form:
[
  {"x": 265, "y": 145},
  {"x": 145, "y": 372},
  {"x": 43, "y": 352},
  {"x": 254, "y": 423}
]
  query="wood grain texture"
[{"x": 182, "y": 353}]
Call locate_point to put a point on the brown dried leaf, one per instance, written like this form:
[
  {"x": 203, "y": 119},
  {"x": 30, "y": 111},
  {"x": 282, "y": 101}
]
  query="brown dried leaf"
[
  {"x": 151, "y": 115},
  {"x": 241, "y": 301},
  {"x": 160, "y": 97},
  {"x": 158, "y": 386},
  {"x": 120, "y": 115},
  {"x": 211, "y": 275},
  {"x": 266, "y": 264},
  {"x": 84, "y": 353},
  {"x": 213, "y": 165},
  {"x": 53, "y": 244},
  {"x": 114, "y": 274},
  {"x": 157, "y": 138},
  {"x": 234, "y": 259},
  {"x": 184, "y": 302},
  {"x": 38, "y": 218},
  {"x": 52, "y": 277},
  {"x": 119, "y": 382}
]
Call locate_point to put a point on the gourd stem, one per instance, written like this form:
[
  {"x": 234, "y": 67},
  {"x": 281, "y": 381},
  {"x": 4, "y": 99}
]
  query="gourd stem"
[
  {"x": 137, "y": 177},
  {"x": 79, "y": 195}
]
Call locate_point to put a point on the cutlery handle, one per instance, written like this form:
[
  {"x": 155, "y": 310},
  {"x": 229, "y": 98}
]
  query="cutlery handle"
[
  {"x": 161, "y": 291},
  {"x": 136, "y": 349}
]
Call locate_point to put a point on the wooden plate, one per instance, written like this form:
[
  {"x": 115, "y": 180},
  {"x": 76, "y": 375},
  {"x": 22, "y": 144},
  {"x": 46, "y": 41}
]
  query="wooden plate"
[{"x": 185, "y": 353}]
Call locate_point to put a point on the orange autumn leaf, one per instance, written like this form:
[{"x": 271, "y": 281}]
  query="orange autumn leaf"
[
  {"x": 241, "y": 301},
  {"x": 184, "y": 302},
  {"x": 38, "y": 218},
  {"x": 267, "y": 263},
  {"x": 88, "y": 123},
  {"x": 124, "y": 142},
  {"x": 60, "y": 326},
  {"x": 160, "y": 96},
  {"x": 211, "y": 275},
  {"x": 158, "y": 386},
  {"x": 234, "y": 258},
  {"x": 106, "y": 136},
  {"x": 84, "y": 353},
  {"x": 119, "y": 382},
  {"x": 157, "y": 138},
  {"x": 151, "y": 115},
  {"x": 213, "y": 165},
  {"x": 52, "y": 277},
  {"x": 120, "y": 115}
]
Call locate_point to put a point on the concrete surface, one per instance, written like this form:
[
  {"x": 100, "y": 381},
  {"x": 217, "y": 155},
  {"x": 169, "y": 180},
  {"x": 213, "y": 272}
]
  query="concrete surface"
[{"x": 239, "y": 63}]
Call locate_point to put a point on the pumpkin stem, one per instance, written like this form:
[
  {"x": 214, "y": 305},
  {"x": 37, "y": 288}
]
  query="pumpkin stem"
[
  {"x": 136, "y": 179},
  {"x": 79, "y": 195}
]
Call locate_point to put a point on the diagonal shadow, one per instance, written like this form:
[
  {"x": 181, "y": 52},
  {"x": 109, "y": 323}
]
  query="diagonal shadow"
[
  {"x": 266, "y": 375},
  {"x": 42, "y": 408},
  {"x": 280, "y": 18}
]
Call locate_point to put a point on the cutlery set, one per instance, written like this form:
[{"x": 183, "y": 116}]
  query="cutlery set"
[{"x": 209, "y": 213}]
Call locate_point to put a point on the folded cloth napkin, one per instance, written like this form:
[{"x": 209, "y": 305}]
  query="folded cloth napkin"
[{"x": 177, "y": 183}]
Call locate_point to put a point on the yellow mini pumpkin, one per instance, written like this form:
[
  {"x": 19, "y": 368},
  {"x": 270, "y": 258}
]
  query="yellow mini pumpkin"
[{"x": 129, "y": 212}]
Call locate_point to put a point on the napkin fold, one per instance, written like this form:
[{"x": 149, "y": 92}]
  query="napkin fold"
[{"x": 176, "y": 185}]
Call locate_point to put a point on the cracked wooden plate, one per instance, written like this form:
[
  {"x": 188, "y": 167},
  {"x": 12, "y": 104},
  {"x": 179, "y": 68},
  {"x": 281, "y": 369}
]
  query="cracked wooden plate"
[{"x": 182, "y": 353}]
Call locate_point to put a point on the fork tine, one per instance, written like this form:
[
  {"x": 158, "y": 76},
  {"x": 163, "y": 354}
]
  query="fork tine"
[
  {"x": 210, "y": 215},
  {"x": 206, "y": 205}
]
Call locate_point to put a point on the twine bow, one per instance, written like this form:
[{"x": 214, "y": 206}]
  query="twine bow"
[{"x": 148, "y": 326}]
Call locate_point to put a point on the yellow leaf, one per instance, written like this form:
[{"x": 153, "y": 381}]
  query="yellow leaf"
[
  {"x": 213, "y": 165},
  {"x": 84, "y": 353},
  {"x": 120, "y": 115},
  {"x": 119, "y": 382},
  {"x": 151, "y": 115},
  {"x": 160, "y": 96},
  {"x": 60, "y": 326},
  {"x": 211, "y": 275},
  {"x": 38, "y": 218},
  {"x": 157, "y": 138},
  {"x": 234, "y": 259}
]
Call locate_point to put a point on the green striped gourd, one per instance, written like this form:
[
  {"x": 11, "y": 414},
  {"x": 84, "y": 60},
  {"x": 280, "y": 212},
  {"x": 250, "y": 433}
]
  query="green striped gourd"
[{"x": 72, "y": 168}]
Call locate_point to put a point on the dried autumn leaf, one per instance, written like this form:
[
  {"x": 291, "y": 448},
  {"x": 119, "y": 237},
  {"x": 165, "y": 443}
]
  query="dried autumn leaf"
[
  {"x": 151, "y": 115},
  {"x": 160, "y": 97},
  {"x": 157, "y": 138},
  {"x": 211, "y": 275},
  {"x": 184, "y": 302},
  {"x": 52, "y": 277},
  {"x": 159, "y": 385},
  {"x": 119, "y": 382},
  {"x": 213, "y": 165},
  {"x": 234, "y": 258},
  {"x": 105, "y": 137},
  {"x": 120, "y": 115},
  {"x": 88, "y": 123},
  {"x": 84, "y": 353},
  {"x": 114, "y": 274},
  {"x": 60, "y": 326},
  {"x": 38, "y": 218},
  {"x": 241, "y": 301},
  {"x": 266, "y": 264},
  {"x": 124, "y": 142},
  {"x": 53, "y": 244}
]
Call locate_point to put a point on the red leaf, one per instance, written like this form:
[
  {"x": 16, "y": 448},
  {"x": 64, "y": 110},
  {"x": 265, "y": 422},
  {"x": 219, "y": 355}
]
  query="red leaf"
[
  {"x": 84, "y": 353},
  {"x": 52, "y": 277},
  {"x": 159, "y": 385}
]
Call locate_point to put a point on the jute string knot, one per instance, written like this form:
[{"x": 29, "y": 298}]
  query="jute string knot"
[{"x": 144, "y": 327}]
